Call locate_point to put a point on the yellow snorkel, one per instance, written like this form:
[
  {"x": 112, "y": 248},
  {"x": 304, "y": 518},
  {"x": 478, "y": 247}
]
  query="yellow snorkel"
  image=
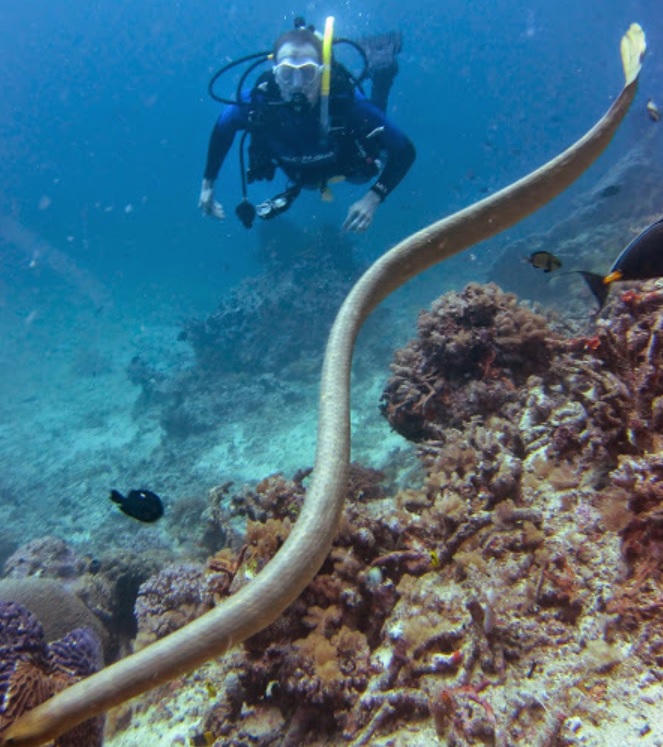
[{"x": 325, "y": 82}]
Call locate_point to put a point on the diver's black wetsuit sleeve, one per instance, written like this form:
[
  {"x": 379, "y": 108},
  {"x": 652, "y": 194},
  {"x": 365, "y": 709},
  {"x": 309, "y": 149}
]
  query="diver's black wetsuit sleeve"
[
  {"x": 232, "y": 119},
  {"x": 400, "y": 152}
]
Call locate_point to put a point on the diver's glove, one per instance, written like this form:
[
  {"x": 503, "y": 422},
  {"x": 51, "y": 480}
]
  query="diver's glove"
[
  {"x": 360, "y": 215},
  {"x": 207, "y": 203}
]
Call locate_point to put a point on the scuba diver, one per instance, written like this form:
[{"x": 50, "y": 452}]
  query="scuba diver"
[{"x": 308, "y": 117}]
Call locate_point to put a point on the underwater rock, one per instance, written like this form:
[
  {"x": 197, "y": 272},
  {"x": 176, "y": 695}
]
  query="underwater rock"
[{"x": 45, "y": 556}]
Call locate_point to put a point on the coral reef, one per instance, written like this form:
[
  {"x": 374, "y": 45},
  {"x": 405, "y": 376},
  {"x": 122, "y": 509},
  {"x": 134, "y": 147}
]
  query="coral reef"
[
  {"x": 109, "y": 590},
  {"x": 240, "y": 335},
  {"x": 66, "y": 590},
  {"x": 637, "y": 600},
  {"x": 563, "y": 403},
  {"x": 226, "y": 516},
  {"x": 514, "y": 597},
  {"x": 473, "y": 351},
  {"x": 509, "y": 205},
  {"x": 628, "y": 340},
  {"x": 32, "y": 671}
]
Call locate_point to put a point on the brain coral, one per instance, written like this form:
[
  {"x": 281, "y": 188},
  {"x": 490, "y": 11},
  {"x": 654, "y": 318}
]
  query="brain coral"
[
  {"x": 31, "y": 671},
  {"x": 58, "y": 610}
]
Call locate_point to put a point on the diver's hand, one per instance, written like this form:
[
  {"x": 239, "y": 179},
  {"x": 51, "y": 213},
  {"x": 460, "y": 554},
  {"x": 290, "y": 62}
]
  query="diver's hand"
[
  {"x": 360, "y": 215},
  {"x": 207, "y": 203}
]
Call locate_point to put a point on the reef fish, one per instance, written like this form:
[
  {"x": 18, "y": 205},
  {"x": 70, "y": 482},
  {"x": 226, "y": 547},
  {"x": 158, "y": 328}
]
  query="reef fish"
[
  {"x": 653, "y": 111},
  {"x": 642, "y": 259},
  {"x": 544, "y": 261},
  {"x": 610, "y": 191},
  {"x": 143, "y": 505}
]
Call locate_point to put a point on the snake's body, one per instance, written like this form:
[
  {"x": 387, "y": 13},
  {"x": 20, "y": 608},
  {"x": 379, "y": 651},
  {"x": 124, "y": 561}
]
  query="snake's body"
[{"x": 288, "y": 573}]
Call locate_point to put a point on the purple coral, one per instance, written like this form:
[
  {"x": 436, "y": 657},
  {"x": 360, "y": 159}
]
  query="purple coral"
[
  {"x": 169, "y": 600},
  {"x": 79, "y": 653},
  {"x": 31, "y": 671},
  {"x": 20, "y": 634}
]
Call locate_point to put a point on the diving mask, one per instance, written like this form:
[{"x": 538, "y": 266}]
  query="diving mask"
[{"x": 297, "y": 73}]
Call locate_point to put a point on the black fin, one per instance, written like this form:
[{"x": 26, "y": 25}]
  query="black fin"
[
  {"x": 381, "y": 54},
  {"x": 596, "y": 286},
  {"x": 116, "y": 497},
  {"x": 381, "y": 51}
]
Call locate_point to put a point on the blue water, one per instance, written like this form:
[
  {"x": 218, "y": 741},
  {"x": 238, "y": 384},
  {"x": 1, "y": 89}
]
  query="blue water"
[
  {"x": 104, "y": 106},
  {"x": 104, "y": 125}
]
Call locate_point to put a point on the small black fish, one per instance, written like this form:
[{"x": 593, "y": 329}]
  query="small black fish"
[
  {"x": 610, "y": 191},
  {"x": 642, "y": 259},
  {"x": 544, "y": 261},
  {"x": 143, "y": 505}
]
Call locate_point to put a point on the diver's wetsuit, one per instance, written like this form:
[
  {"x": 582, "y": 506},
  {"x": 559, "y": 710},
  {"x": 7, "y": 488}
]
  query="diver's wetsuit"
[{"x": 291, "y": 138}]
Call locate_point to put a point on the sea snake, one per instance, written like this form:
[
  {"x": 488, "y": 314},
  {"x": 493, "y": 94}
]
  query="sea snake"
[{"x": 260, "y": 602}]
